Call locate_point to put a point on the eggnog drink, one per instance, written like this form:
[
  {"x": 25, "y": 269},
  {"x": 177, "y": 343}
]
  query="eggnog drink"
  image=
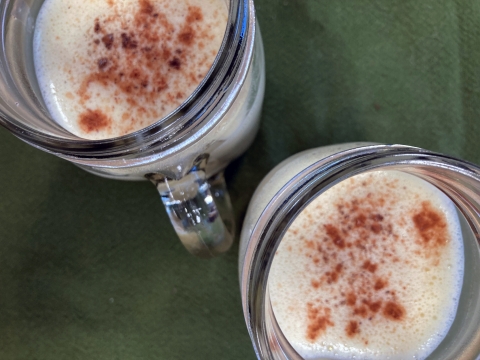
[
  {"x": 107, "y": 68},
  {"x": 371, "y": 269}
]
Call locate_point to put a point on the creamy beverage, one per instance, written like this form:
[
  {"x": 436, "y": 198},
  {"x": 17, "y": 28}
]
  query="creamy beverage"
[
  {"x": 371, "y": 269},
  {"x": 107, "y": 68}
]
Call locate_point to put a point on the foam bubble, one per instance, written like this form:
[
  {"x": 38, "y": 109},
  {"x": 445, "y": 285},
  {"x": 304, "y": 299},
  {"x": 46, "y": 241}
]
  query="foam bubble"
[
  {"x": 107, "y": 68},
  {"x": 372, "y": 268}
]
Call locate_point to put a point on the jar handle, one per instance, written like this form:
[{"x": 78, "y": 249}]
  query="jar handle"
[{"x": 194, "y": 206}]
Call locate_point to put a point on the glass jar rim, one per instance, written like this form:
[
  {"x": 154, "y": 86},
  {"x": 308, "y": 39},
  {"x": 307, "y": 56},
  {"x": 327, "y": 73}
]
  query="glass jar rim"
[
  {"x": 197, "y": 115},
  {"x": 308, "y": 184}
]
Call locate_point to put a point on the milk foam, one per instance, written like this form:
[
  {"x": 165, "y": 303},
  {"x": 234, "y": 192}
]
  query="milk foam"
[
  {"x": 371, "y": 269},
  {"x": 110, "y": 67}
]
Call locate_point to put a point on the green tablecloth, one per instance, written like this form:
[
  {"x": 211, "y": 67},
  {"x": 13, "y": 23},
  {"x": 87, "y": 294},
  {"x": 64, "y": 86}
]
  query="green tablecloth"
[{"x": 91, "y": 269}]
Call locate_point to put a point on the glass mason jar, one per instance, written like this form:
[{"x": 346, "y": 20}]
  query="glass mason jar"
[
  {"x": 183, "y": 154},
  {"x": 294, "y": 183}
]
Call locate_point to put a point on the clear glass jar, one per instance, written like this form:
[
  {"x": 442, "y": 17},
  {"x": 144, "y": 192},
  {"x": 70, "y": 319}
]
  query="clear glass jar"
[
  {"x": 294, "y": 183},
  {"x": 178, "y": 153}
]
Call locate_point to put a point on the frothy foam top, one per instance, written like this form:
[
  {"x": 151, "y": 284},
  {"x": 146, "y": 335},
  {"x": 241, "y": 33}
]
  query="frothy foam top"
[
  {"x": 371, "y": 269},
  {"x": 110, "y": 67}
]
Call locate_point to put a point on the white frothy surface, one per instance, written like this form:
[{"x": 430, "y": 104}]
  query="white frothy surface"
[
  {"x": 107, "y": 68},
  {"x": 371, "y": 269}
]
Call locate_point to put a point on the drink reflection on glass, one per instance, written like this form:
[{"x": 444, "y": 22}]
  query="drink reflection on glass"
[
  {"x": 135, "y": 89},
  {"x": 364, "y": 251}
]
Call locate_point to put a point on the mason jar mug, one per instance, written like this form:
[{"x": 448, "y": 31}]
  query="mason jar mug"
[
  {"x": 290, "y": 188},
  {"x": 183, "y": 154}
]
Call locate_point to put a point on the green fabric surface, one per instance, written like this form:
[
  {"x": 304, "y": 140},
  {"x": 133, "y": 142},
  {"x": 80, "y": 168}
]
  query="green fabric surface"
[{"x": 91, "y": 269}]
